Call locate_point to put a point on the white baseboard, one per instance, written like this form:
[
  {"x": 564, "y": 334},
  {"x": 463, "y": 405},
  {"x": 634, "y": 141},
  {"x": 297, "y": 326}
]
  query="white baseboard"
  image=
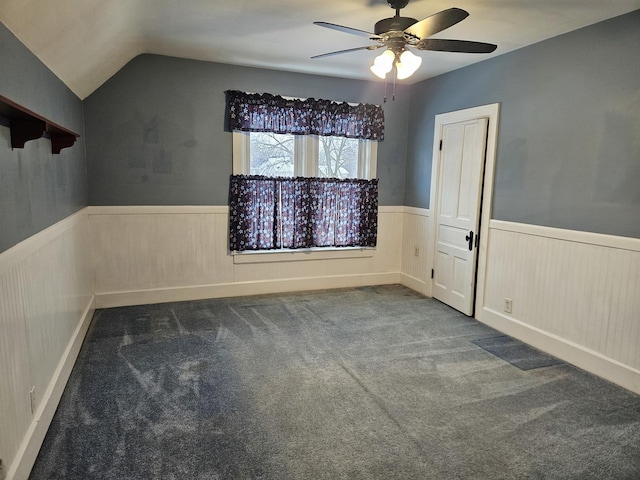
[
  {"x": 589, "y": 360},
  {"x": 238, "y": 289},
  {"x": 28, "y": 451},
  {"x": 416, "y": 284}
]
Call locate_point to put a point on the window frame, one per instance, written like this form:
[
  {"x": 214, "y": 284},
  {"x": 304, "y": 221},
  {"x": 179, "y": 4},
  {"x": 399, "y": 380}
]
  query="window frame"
[{"x": 306, "y": 148}]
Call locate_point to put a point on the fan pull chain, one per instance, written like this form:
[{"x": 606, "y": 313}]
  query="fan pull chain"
[
  {"x": 385, "y": 89},
  {"x": 393, "y": 96}
]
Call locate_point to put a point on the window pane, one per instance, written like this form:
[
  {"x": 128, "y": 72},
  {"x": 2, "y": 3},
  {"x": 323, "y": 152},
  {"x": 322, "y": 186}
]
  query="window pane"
[
  {"x": 271, "y": 154},
  {"x": 338, "y": 157}
]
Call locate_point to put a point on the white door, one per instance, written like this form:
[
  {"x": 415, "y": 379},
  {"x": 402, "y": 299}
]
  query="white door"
[{"x": 457, "y": 216}]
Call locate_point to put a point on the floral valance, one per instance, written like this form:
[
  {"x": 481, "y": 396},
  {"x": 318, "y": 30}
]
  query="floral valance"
[{"x": 263, "y": 112}]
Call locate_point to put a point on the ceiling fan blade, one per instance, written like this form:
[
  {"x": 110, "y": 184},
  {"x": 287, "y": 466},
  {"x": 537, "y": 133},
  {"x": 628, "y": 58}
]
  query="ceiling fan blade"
[
  {"x": 437, "y": 22},
  {"x": 462, "y": 46},
  {"x": 339, "y": 52},
  {"x": 352, "y": 31}
]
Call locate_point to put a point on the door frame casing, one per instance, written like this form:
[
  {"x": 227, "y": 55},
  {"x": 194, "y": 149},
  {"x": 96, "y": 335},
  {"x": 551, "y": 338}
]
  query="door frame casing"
[{"x": 491, "y": 112}]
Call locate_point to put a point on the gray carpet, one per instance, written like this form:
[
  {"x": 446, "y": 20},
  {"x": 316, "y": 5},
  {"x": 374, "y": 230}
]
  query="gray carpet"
[
  {"x": 516, "y": 353},
  {"x": 367, "y": 383}
]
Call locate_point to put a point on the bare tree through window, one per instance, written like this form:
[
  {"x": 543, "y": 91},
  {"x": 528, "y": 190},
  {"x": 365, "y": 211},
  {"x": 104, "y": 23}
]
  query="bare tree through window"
[
  {"x": 338, "y": 157},
  {"x": 273, "y": 154}
]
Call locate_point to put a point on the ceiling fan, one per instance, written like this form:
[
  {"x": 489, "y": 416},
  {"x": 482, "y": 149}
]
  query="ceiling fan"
[{"x": 397, "y": 33}]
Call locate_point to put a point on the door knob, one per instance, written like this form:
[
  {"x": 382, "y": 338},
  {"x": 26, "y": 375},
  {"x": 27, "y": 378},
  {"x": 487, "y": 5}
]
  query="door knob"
[{"x": 469, "y": 238}]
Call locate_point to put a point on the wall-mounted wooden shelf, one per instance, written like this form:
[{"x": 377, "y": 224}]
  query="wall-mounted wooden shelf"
[{"x": 26, "y": 125}]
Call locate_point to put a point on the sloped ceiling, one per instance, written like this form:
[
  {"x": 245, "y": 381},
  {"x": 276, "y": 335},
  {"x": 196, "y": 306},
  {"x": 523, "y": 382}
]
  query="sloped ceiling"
[{"x": 85, "y": 42}]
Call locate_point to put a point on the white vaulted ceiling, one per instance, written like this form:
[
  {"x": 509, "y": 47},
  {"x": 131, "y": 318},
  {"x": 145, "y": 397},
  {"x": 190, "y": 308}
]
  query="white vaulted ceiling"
[{"x": 85, "y": 42}]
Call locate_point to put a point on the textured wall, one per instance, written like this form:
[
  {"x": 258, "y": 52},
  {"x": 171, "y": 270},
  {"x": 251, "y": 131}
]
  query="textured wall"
[
  {"x": 37, "y": 189},
  {"x": 569, "y": 134},
  {"x": 155, "y": 131}
]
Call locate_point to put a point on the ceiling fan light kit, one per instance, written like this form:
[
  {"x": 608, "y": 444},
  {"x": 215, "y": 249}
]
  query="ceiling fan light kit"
[
  {"x": 383, "y": 63},
  {"x": 397, "y": 34},
  {"x": 407, "y": 65}
]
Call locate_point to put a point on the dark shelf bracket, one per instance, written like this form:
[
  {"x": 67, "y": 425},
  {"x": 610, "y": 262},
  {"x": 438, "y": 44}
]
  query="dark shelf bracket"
[
  {"x": 26, "y": 125},
  {"x": 24, "y": 130},
  {"x": 60, "y": 141}
]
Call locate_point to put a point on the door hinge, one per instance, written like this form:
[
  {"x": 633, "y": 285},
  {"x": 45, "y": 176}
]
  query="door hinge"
[
  {"x": 432, "y": 273},
  {"x": 440, "y": 145}
]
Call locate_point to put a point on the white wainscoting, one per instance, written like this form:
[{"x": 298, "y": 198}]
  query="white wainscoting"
[
  {"x": 417, "y": 251},
  {"x": 575, "y": 295},
  {"x": 160, "y": 254},
  {"x": 46, "y": 304}
]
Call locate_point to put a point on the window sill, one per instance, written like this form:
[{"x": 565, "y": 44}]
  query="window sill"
[{"x": 303, "y": 255}]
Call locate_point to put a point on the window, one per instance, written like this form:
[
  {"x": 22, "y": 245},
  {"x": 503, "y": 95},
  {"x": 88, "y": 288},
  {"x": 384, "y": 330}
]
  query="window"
[
  {"x": 338, "y": 157},
  {"x": 287, "y": 155},
  {"x": 271, "y": 154},
  {"x": 303, "y": 173}
]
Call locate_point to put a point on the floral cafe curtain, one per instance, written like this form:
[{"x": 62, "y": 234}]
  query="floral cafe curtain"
[
  {"x": 263, "y": 112},
  {"x": 271, "y": 213}
]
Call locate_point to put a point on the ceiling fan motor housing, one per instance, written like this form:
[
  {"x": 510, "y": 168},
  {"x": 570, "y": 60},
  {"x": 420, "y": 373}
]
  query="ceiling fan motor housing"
[{"x": 393, "y": 24}]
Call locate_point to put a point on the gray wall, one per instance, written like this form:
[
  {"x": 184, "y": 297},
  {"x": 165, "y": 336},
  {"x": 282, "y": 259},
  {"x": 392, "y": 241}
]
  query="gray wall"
[
  {"x": 568, "y": 149},
  {"x": 37, "y": 188},
  {"x": 155, "y": 131},
  {"x": 569, "y": 133}
]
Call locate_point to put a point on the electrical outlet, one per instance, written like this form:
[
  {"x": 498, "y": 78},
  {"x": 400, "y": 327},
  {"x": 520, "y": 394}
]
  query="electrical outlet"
[
  {"x": 416, "y": 251},
  {"x": 508, "y": 305},
  {"x": 32, "y": 397}
]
